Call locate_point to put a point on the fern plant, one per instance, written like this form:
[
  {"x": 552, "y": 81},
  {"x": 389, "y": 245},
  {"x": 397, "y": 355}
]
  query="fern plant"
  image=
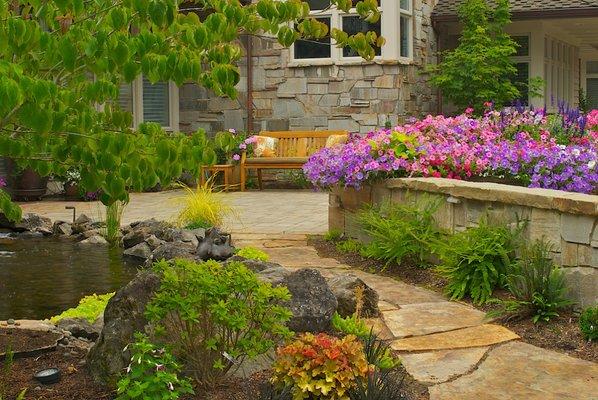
[
  {"x": 477, "y": 261},
  {"x": 537, "y": 284},
  {"x": 400, "y": 231}
]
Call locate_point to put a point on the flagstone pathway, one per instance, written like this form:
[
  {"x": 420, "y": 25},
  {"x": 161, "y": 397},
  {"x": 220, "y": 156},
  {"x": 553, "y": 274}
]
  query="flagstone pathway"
[{"x": 450, "y": 346}]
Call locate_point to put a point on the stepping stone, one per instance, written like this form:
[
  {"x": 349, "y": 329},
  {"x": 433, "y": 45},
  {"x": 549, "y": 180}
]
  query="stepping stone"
[
  {"x": 301, "y": 257},
  {"x": 477, "y": 336},
  {"x": 427, "y": 318},
  {"x": 398, "y": 293},
  {"x": 440, "y": 366},
  {"x": 386, "y": 306},
  {"x": 379, "y": 327},
  {"x": 521, "y": 371}
]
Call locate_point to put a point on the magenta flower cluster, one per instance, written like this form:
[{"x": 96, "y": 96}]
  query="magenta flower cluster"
[
  {"x": 2, "y": 182},
  {"x": 514, "y": 146}
]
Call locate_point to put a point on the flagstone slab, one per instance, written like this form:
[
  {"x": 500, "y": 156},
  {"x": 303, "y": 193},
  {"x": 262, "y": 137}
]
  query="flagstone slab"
[
  {"x": 379, "y": 327},
  {"x": 440, "y": 366},
  {"x": 301, "y": 257},
  {"x": 476, "y": 336},
  {"x": 397, "y": 292},
  {"x": 521, "y": 371},
  {"x": 427, "y": 318}
]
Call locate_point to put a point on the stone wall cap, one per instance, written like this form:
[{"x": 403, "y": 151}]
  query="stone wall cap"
[{"x": 568, "y": 202}]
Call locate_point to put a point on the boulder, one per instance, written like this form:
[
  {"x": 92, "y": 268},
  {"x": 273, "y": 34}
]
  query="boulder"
[
  {"x": 124, "y": 315},
  {"x": 138, "y": 232},
  {"x": 189, "y": 237},
  {"x": 200, "y": 233},
  {"x": 154, "y": 242},
  {"x": 134, "y": 237},
  {"x": 83, "y": 220},
  {"x": 254, "y": 265},
  {"x": 274, "y": 275},
  {"x": 62, "y": 228},
  {"x": 141, "y": 251},
  {"x": 29, "y": 222},
  {"x": 95, "y": 239},
  {"x": 90, "y": 233},
  {"x": 81, "y": 328},
  {"x": 312, "y": 302},
  {"x": 345, "y": 288},
  {"x": 168, "y": 251}
]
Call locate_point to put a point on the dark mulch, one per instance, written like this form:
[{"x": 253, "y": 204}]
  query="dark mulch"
[
  {"x": 17, "y": 340},
  {"x": 561, "y": 334}
]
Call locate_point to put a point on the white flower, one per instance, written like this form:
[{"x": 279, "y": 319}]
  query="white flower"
[
  {"x": 576, "y": 152},
  {"x": 170, "y": 386},
  {"x": 592, "y": 164}
]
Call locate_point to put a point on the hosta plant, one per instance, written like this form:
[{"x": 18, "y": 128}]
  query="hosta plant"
[
  {"x": 320, "y": 366},
  {"x": 216, "y": 316},
  {"x": 588, "y": 323}
]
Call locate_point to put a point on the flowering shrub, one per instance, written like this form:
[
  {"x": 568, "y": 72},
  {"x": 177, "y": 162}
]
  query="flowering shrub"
[
  {"x": 320, "y": 366},
  {"x": 514, "y": 144}
]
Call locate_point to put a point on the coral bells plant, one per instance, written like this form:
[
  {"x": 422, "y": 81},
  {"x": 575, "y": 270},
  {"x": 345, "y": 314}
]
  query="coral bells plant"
[{"x": 320, "y": 366}]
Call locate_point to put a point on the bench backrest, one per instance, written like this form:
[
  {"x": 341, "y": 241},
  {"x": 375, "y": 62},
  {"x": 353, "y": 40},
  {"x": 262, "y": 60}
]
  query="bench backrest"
[{"x": 300, "y": 143}]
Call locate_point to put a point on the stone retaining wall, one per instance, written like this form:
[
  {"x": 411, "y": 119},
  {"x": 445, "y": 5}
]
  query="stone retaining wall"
[
  {"x": 568, "y": 220},
  {"x": 355, "y": 96}
]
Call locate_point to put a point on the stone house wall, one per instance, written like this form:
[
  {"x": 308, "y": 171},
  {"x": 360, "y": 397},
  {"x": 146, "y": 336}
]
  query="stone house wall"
[
  {"x": 356, "y": 97},
  {"x": 569, "y": 221}
]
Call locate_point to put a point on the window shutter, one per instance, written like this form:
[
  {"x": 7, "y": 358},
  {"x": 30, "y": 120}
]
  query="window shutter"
[{"x": 156, "y": 103}]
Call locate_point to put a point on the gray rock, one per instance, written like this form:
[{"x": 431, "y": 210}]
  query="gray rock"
[
  {"x": 96, "y": 239},
  {"x": 254, "y": 265},
  {"x": 124, "y": 315},
  {"x": 168, "y": 251},
  {"x": 90, "y": 233},
  {"x": 83, "y": 220},
  {"x": 134, "y": 237},
  {"x": 10, "y": 321},
  {"x": 312, "y": 302},
  {"x": 29, "y": 222},
  {"x": 139, "y": 232},
  {"x": 344, "y": 288},
  {"x": 29, "y": 235},
  {"x": 275, "y": 275},
  {"x": 173, "y": 235},
  {"x": 154, "y": 242},
  {"x": 141, "y": 251},
  {"x": 80, "y": 327},
  {"x": 189, "y": 237},
  {"x": 200, "y": 233},
  {"x": 62, "y": 228}
]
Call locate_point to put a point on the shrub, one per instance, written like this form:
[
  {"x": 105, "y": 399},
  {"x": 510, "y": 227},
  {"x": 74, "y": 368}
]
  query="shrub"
[
  {"x": 320, "y": 366},
  {"x": 215, "y": 316},
  {"x": 477, "y": 260},
  {"x": 252, "y": 253},
  {"x": 400, "y": 231},
  {"x": 89, "y": 308},
  {"x": 588, "y": 323},
  {"x": 537, "y": 284},
  {"x": 152, "y": 374},
  {"x": 202, "y": 207}
]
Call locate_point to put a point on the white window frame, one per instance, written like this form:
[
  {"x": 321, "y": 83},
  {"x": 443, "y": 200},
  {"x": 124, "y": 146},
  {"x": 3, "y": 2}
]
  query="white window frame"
[
  {"x": 173, "y": 104},
  {"x": 391, "y": 13}
]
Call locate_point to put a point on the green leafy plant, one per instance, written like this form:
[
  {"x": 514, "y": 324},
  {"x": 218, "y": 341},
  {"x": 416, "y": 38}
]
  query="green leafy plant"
[
  {"x": 537, "y": 284},
  {"x": 333, "y": 235},
  {"x": 588, "y": 323},
  {"x": 352, "y": 325},
  {"x": 59, "y": 60},
  {"x": 378, "y": 352},
  {"x": 480, "y": 68},
  {"x": 400, "y": 231},
  {"x": 89, "y": 308},
  {"x": 320, "y": 366},
  {"x": 477, "y": 260},
  {"x": 350, "y": 246},
  {"x": 152, "y": 374},
  {"x": 215, "y": 316},
  {"x": 379, "y": 385},
  {"x": 202, "y": 207},
  {"x": 252, "y": 253}
]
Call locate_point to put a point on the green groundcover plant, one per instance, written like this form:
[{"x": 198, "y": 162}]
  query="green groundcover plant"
[
  {"x": 89, "y": 308},
  {"x": 215, "y": 316},
  {"x": 63, "y": 62},
  {"x": 588, "y": 323},
  {"x": 251, "y": 253}
]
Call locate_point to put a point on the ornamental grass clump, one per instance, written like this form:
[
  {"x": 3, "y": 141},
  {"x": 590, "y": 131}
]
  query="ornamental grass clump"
[
  {"x": 477, "y": 261},
  {"x": 320, "y": 366},
  {"x": 215, "y": 316},
  {"x": 401, "y": 231},
  {"x": 202, "y": 207}
]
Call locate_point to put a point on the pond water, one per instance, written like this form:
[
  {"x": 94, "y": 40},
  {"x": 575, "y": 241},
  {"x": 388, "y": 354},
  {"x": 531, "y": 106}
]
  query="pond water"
[{"x": 41, "y": 277}]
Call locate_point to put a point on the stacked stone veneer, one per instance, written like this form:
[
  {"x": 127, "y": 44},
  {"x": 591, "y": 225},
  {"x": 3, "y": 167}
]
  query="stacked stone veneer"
[
  {"x": 568, "y": 220},
  {"x": 356, "y": 97}
]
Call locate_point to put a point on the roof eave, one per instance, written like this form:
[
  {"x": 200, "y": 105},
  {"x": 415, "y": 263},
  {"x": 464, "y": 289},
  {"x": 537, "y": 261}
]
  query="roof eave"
[{"x": 533, "y": 14}]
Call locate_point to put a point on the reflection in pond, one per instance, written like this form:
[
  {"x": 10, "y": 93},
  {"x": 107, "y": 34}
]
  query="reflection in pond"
[{"x": 41, "y": 277}]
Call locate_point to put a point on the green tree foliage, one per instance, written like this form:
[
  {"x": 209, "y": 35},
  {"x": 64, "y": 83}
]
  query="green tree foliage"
[
  {"x": 479, "y": 69},
  {"x": 62, "y": 63}
]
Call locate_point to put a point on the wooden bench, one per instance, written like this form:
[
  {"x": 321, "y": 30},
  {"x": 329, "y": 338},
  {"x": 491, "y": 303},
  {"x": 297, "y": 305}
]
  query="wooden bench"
[{"x": 292, "y": 151}]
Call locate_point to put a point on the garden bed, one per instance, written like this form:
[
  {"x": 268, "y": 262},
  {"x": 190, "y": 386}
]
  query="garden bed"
[
  {"x": 561, "y": 334},
  {"x": 25, "y": 342}
]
